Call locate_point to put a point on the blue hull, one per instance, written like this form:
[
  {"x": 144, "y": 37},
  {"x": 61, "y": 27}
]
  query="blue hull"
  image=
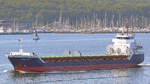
[{"x": 26, "y": 63}]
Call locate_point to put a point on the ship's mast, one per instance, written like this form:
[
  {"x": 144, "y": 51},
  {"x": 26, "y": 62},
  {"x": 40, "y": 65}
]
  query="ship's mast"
[
  {"x": 127, "y": 26},
  {"x": 20, "y": 46},
  {"x": 60, "y": 16}
]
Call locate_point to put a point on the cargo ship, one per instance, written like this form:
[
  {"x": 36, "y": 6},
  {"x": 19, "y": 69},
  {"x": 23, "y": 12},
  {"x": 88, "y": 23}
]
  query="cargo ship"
[{"x": 124, "y": 52}]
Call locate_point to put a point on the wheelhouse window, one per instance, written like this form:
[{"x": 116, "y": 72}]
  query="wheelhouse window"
[{"x": 124, "y": 37}]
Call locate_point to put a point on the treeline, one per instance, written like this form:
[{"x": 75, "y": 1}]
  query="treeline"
[{"x": 47, "y": 11}]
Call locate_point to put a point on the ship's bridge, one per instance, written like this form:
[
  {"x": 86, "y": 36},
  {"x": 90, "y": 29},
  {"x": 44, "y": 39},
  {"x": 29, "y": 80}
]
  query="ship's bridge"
[
  {"x": 125, "y": 36},
  {"x": 124, "y": 43},
  {"x": 124, "y": 39}
]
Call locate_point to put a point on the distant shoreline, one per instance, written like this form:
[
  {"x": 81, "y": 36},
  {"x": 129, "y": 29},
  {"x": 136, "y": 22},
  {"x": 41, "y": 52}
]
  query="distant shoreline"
[
  {"x": 90, "y": 32},
  {"x": 19, "y": 33},
  {"x": 15, "y": 33}
]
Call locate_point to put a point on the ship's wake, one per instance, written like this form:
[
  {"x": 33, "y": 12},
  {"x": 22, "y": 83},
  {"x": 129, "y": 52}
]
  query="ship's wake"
[
  {"x": 77, "y": 79},
  {"x": 5, "y": 71},
  {"x": 2, "y": 65},
  {"x": 54, "y": 72},
  {"x": 144, "y": 65}
]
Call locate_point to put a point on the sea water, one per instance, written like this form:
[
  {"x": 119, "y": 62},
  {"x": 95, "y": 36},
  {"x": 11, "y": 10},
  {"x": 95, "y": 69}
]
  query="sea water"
[{"x": 51, "y": 44}]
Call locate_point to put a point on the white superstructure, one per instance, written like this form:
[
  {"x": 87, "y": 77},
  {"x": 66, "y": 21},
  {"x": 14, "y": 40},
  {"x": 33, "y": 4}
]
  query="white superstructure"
[{"x": 124, "y": 44}]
